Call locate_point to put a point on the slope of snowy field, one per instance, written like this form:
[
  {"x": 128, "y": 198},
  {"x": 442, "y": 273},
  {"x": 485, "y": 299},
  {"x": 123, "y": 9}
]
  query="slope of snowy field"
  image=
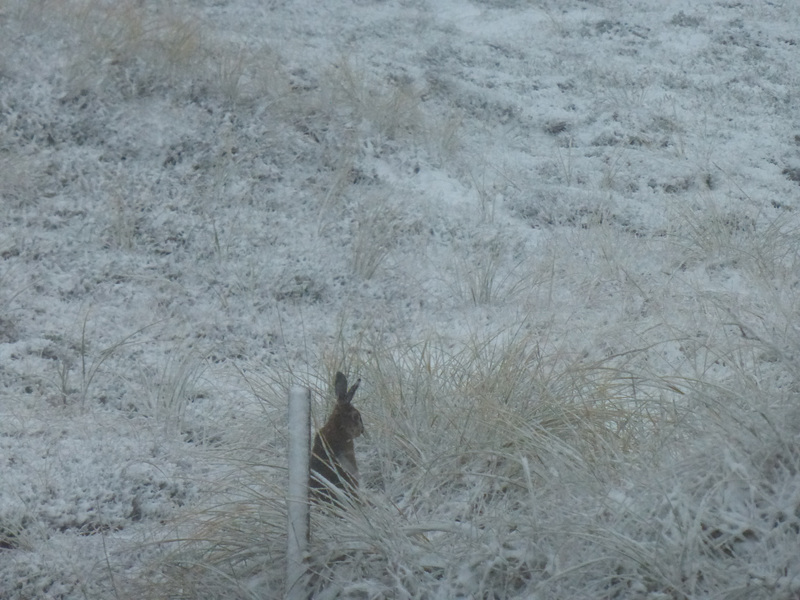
[{"x": 559, "y": 241}]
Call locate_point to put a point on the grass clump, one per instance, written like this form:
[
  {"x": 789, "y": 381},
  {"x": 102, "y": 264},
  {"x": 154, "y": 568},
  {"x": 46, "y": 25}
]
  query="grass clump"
[
  {"x": 507, "y": 468},
  {"x": 468, "y": 450},
  {"x": 133, "y": 45},
  {"x": 391, "y": 109}
]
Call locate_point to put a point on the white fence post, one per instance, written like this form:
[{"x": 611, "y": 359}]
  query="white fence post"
[{"x": 297, "y": 496}]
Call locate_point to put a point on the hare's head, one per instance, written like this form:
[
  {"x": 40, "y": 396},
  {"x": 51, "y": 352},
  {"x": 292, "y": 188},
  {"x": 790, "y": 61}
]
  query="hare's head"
[{"x": 345, "y": 416}]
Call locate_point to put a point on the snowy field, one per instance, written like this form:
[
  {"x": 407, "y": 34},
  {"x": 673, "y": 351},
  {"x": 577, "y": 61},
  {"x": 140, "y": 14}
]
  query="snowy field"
[{"x": 559, "y": 241}]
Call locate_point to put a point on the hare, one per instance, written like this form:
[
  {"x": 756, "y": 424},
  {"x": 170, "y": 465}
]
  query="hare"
[{"x": 333, "y": 458}]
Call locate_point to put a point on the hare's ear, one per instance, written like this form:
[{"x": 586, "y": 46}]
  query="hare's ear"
[
  {"x": 340, "y": 385},
  {"x": 352, "y": 391}
]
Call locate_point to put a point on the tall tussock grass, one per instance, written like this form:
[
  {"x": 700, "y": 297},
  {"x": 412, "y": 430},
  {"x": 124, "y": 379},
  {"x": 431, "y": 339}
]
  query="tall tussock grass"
[
  {"x": 498, "y": 469},
  {"x": 129, "y": 49}
]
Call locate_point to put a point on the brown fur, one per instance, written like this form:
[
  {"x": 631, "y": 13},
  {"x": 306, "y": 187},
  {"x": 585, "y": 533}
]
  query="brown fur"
[{"x": 333, "y": 456}]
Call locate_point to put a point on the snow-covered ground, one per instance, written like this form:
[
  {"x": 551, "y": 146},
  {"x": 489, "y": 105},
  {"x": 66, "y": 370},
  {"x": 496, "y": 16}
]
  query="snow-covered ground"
[{"x": 559, "y": 240}]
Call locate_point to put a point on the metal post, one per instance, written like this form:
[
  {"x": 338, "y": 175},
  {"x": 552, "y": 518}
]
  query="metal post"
[{"x": 297, "y": 496}]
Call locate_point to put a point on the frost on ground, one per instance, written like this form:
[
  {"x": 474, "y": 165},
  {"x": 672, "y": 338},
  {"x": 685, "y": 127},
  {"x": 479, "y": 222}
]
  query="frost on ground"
[{"x": 559, "y": 242}]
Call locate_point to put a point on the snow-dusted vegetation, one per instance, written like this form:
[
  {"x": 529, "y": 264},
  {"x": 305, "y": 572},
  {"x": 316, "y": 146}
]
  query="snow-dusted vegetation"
[{"x": 558, "y": 240}]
